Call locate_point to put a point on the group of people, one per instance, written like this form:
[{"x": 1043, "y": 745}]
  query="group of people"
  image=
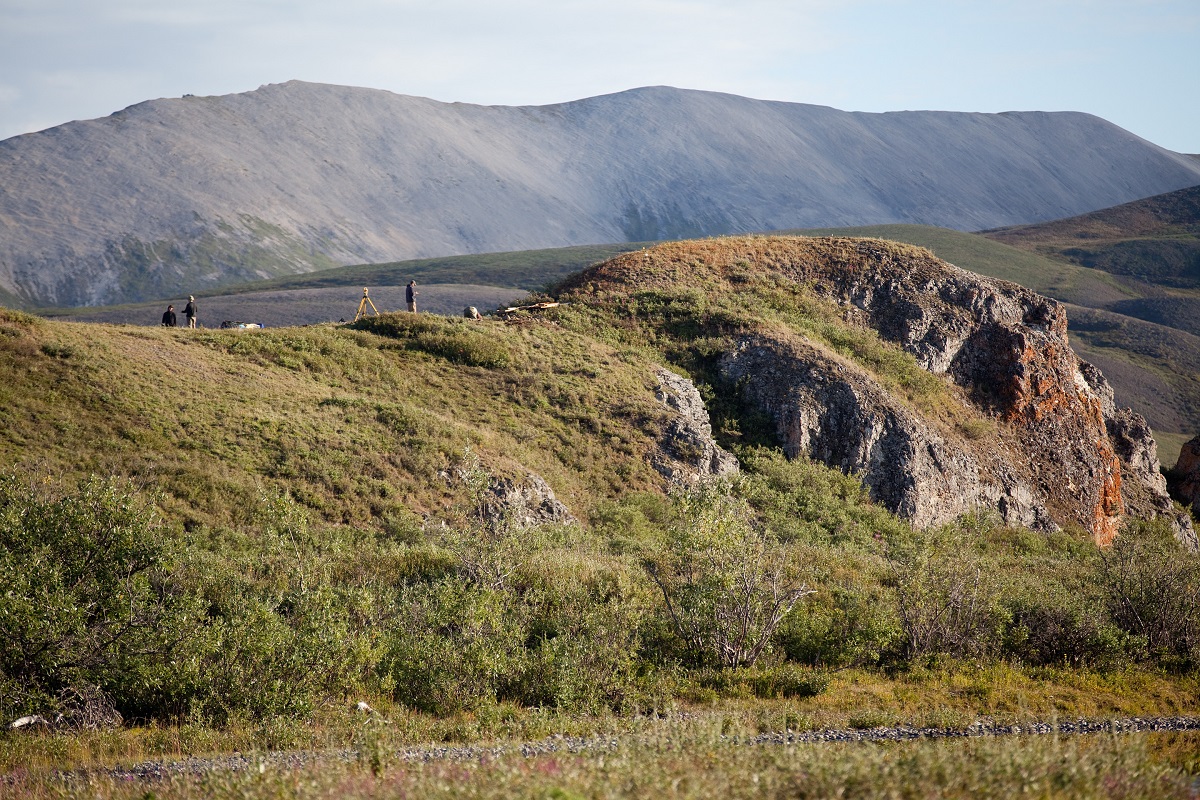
[{"x": 169, "y": 319}]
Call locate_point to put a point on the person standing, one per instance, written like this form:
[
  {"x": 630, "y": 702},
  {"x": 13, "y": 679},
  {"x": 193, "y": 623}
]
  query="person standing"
[
  {"x": 189, "y": 311},
  {"x": 168, "y": 319},
  {"x": 410, "y": 296}
]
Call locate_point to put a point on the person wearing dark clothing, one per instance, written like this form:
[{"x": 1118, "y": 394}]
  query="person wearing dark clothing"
[
  {"x": 189, "y": 311},
  {"x": 168, "y": 320},
  {"x": 410, "y": 296}
]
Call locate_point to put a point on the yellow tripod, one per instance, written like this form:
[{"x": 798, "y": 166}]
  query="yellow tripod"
[{"x": 362, "y": 307}]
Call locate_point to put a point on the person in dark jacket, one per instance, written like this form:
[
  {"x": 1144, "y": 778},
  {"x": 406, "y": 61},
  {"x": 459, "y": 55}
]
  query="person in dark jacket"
[
  {"x": 168, "y": 320},
  {"x": 189, "y": 311},
  {"x": 410, "y": 296}
]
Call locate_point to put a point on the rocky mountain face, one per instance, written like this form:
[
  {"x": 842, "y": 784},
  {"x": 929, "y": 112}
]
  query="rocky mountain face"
[
  {"x": 172, "y": 196},
  {"x": 1030, "y": 430}
]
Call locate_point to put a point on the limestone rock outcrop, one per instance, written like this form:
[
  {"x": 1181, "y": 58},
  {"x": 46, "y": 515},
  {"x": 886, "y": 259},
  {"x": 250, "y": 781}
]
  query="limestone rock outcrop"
[
  {"x": 526, "y": 502},
  {"x": 833, "y": 411},
  {"x": 689, "y": 451},
  {"x": 1019, "y": 424},
  {"x": 1184, "y": 477},
  {"x": 1007, "y": 348}
]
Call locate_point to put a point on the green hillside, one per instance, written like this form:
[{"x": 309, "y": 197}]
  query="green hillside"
[
  {"x": 1145, "y": 381},
  {"x": 247, "y": 531}
]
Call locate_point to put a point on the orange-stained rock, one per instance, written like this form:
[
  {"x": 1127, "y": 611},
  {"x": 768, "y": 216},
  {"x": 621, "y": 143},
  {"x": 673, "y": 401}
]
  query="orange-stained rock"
[{"x": 1058, "y": 453}]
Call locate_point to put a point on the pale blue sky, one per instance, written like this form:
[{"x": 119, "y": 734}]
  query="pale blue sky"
[{"x": 1135, "y": 63}]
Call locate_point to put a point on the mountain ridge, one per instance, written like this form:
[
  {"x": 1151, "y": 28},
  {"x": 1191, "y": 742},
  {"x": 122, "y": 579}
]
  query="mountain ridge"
[{"x": 208, "y": 191}]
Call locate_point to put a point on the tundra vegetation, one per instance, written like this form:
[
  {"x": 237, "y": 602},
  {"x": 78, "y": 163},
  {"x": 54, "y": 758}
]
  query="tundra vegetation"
[{"x": 220, "y": 540}]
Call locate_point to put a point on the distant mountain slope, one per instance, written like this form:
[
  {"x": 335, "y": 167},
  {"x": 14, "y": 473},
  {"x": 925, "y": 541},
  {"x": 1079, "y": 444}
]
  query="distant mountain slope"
[
  {"x": 173, "y": 196},
  {"x": 1168, "y": 214},
  {"x": 1155, "y": 240}
]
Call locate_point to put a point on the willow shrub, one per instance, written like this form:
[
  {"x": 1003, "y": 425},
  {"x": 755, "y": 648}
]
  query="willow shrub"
[
  {"x": 88, "y": 601},
  {"x": 726, "y": 583},
  {"x": 1152, "y": 591}
]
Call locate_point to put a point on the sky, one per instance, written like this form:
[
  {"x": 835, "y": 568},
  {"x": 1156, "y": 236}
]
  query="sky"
[{"x": 1135, "y": 63}]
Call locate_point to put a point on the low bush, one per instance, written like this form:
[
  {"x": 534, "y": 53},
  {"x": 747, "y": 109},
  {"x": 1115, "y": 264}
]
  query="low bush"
[
  {"x": 726, "y": 584},
  {"x": 88, "y": 603},
  {"x": 457, "y": 341},
  {"x": 1152, "y": 591},
  {"x": 1055, "y": 628},
  {"x": 846, "y": 625},
  {"x": 946, "y": 596}
]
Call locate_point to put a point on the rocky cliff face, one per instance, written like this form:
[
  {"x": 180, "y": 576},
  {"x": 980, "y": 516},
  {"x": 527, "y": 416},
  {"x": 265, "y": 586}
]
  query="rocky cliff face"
[
  {"x": 834, "y": 412},
  {"x": 1033, "y": 431},
  {"x": 689, "y": 452},
  {"x": 1185, "y": 476}
]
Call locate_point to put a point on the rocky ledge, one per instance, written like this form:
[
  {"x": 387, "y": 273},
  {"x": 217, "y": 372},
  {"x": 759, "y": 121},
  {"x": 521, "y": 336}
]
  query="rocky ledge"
[
  {"x": 1061, "y": 452},
  {"x": 1033, "y": 433}
]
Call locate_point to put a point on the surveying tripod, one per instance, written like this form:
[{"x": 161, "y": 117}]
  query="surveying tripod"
[{"x": 362, "y": 307}]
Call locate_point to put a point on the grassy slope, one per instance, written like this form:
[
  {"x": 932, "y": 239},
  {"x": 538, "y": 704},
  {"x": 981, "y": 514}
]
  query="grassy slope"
[
  {"x": 1146, "y": 381},
  {"x": 357, "y": 421},
  {"x": 356, "y": 425}
]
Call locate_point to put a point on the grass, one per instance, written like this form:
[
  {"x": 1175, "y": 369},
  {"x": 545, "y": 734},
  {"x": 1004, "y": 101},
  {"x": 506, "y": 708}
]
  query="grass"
[
  {"x": 357, "y": 421},
  {"x": 355, "y": 424},
  {"x": 318, "y": 533},
  {"x": 954, "y": 695},
  {"x": 1039, "y": 267},
  {"x": 696, "y": 759}
]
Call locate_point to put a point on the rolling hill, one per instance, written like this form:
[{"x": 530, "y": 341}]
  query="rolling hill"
[
  {"x": 514, "y": 519},
  {"x": 175, "y": 196}
]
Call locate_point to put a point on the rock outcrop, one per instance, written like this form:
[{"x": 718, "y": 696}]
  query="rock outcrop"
[
  {"x": 526, "y": 503},
  {"x": 1184, "y": 478},
  {"x": 1020, "y": 425},
  {"x": 833, "y": 411},
  {"x": 1060, "y": 436},
  {"x": 689, "y": 452}
]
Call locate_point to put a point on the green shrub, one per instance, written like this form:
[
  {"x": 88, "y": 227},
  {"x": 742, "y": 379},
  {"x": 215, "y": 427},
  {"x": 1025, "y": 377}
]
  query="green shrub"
[
  {"x": 725, "y": 583},
  {"x": 451, "y": 646},
  {"x": 88, "y": 601},
  {"x": 1060, "y": 629},
  {"x": 259, "y": 657},
  {"x": 805, "y": 501},
  {"x": 946, "y": 596},
  {"x": 850, "y": 625},
  {"x": 1152, "y": 590},
  {"x": 583, "y": 655}
]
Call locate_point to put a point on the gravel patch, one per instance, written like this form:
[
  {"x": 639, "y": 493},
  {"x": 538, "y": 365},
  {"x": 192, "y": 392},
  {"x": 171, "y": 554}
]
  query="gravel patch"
[{"x": 236, "y": 762}]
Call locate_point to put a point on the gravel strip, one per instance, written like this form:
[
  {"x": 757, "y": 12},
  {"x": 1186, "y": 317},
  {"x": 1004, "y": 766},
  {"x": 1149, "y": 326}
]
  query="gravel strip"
[{"x": 155, "y": 770}]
